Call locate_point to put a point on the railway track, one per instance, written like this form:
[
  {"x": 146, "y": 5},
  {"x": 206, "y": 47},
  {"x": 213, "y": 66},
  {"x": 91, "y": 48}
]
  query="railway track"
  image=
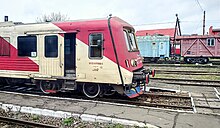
[
  {"x": 188, "y": 82},
  {"x": 168, "y": 100},
  {"x": 182, "y": 65},
  {"x": 155, "y": 99},
  {"x": 208, "y": 107},
  {"x": 185, "y": 72},
  {"x": 24, "y": 123}
]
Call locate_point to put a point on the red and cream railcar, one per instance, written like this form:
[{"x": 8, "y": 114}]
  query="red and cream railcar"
[{"x": 95, "y": 56}]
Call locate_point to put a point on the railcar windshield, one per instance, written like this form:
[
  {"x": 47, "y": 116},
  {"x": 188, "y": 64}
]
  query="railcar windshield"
[{"x": 130, "y": 40}]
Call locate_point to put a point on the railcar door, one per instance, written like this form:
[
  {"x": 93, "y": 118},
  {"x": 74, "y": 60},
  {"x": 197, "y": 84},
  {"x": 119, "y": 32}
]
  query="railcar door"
[
  {"x": 51, "y": 58},
  {"x": 70, "y": 54},
  {"x": 154, "y": 49},
  {"x": 162, "y": 48}
]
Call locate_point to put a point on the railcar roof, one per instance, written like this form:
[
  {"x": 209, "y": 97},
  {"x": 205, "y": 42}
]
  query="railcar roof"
[
  {"x": 10, "y": 23},
  {"x": 197, "y": 36}
]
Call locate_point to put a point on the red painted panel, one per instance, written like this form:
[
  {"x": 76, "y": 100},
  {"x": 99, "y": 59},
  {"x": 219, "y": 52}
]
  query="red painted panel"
[
  {"x": 87, "y": 27},
  {"x": 13, "y": 62},
  {"x": 178, "y": 51},
  {"x": 4, "y": 47}
]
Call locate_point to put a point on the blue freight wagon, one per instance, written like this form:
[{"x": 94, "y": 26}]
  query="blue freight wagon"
[{"x": 154, "y": 47}]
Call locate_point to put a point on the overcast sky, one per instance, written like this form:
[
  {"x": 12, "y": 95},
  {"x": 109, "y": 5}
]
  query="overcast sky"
[{"x": 143, "y": 14}]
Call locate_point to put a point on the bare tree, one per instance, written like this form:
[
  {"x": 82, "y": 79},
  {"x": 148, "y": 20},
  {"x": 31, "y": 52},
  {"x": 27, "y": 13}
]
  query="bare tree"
[{"x": 52, "y": 17}]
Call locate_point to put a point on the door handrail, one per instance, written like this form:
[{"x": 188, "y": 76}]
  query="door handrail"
[{"x": 60, "y": 58}]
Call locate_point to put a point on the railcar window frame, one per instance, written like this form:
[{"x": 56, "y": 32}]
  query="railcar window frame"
[
  {"x": 23, "y": 50},
  {"x": 126, "y": 40},
  {"x": 5, "y": 49},
  {"x": 210, "y": 41},
  {"x": 131, "y": 41},
  {"x": 98, "y": 46},
  {"x": 50, "y": 52}
]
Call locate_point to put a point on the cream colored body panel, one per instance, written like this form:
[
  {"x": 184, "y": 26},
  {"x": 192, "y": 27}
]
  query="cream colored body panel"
[
  {"x": 17, "y": 74},
  {"x": 98, "y": 70}
]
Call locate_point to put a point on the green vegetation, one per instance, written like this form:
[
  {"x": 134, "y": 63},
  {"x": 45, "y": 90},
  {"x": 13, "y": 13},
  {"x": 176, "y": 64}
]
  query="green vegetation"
[
  {"x": 35, "y": 117},
  {"x": 115, "y": 126},
  {"x": 68, "y": 121}
]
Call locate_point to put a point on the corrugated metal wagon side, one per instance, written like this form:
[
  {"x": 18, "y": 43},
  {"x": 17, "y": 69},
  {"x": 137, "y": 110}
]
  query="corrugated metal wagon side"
[{"x": 154, "y": 47}]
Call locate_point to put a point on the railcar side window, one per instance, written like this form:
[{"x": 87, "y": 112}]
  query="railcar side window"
[
  {"x": 4, "y": 46},
  {"x": 96, "y": 45},
  {"x": 27, "y": 46},
  {"x": 51, "y": 46},
  {"x": 211, "y": 41}
]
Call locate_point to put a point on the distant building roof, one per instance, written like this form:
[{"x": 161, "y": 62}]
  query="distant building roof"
[
  {"x": 215, "y": 31},
  {"x": 167, "y": 32}
]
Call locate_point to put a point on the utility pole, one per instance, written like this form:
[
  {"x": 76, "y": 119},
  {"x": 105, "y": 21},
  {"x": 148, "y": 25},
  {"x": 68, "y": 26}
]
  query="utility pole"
[
  {"x": 177, "y": 32},
  {"x": 203, "y": 23}
]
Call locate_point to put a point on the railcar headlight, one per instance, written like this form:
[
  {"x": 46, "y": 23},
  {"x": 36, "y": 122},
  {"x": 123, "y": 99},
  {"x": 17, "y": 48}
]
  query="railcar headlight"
[
  {"x": 133, "y": 63},
  {"x": 127, "y": 63}
]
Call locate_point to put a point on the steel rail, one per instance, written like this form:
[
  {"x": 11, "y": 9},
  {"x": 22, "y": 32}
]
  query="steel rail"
[
  {"x": 181, "y": 72},
  {"x": 191, "y": 84},
  {"x": 187, "y": 71},
  {"x": 186, "y": 80},
  {"x": 24, "y": 123},
  {"x": 182, "y": 65},
  {"x": 200, "y": 106}
]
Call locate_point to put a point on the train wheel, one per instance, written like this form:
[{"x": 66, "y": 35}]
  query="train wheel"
[
  {"x": 91, "y": 90},
  {"x": 48, "y": 87},
  {"x": 190, "y": 60},
  {"x": 203, "y": 60},
  {"x": 187, "y": 60},
  {"x": 206, "y": 60}
]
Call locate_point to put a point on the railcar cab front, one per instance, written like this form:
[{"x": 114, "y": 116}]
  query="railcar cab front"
[{"x": 133, "y": 76}]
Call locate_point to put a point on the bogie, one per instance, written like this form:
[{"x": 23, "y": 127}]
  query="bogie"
[
  {"x": 91, "y": 90},
  {"x": 193, "y": 60},
  {"x": 48, "y": 87}
]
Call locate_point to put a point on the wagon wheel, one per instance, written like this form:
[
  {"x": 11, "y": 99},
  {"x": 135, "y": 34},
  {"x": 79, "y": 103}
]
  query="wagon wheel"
[
  {"x": 206, "y": 60},
  {"x": 203, "y": 60},
  {"x": 48, "y": 87},
  {"x": 191, "y": 60},
  {"x": 91, "y": 90}
]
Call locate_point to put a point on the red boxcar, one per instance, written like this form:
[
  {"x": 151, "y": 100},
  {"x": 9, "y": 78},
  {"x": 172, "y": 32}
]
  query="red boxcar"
[{"x": 199, "y": 48}]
